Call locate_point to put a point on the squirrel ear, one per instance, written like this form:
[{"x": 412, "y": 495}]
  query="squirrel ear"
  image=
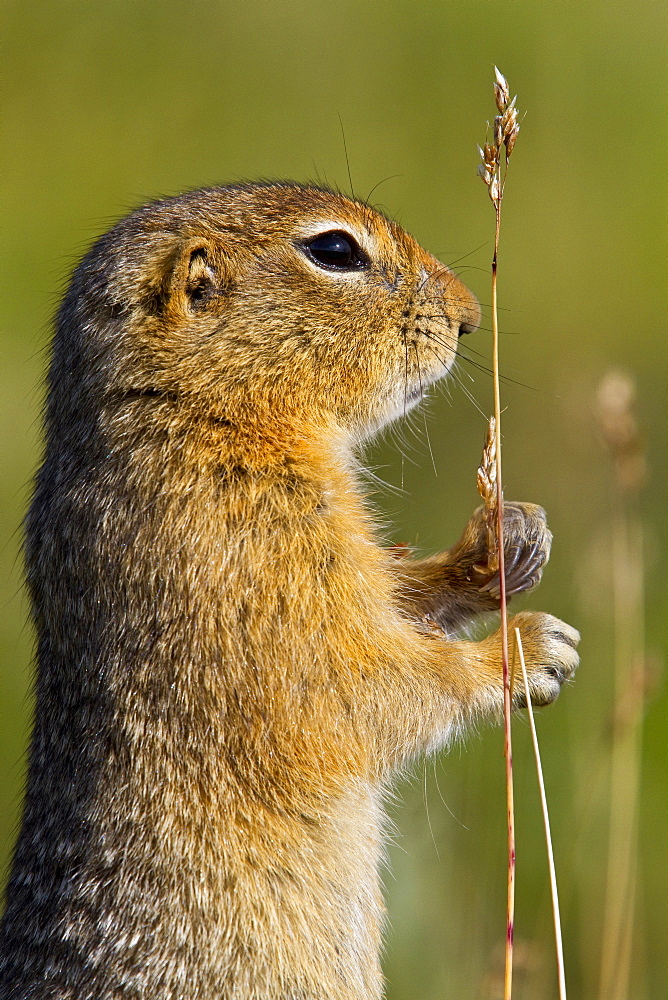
[
  {"x": 194, "y": 275},
  {"x": 200, "y": 277}
]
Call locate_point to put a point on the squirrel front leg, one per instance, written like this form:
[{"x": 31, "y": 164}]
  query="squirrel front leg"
[
  {"x": 442, "y": 686},
  {"x": 452, "y": 587}
]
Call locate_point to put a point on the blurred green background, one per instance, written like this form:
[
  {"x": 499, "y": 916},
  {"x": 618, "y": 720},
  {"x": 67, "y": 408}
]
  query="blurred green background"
[{"x": 107, "y": 104}]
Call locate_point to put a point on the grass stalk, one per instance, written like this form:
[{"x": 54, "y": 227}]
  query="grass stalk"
[
  {"x": 507, "y": 700},
  {"x": 493, "y": 175},
  {"x": 546, "y": 823}
]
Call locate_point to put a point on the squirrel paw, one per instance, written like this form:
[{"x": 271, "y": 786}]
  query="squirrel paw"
[
  {"x": 550, "y": 655},
  {"x": 526, "y": 547}
]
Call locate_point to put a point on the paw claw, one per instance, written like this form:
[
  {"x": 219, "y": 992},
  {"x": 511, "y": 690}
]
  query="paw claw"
[
  {"x": 527, "y": 542},
  {"x": 550, "y": 651}
]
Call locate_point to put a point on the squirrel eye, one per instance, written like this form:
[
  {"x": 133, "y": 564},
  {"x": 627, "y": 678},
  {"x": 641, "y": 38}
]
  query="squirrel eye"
[{"x": 336, "y": 251}]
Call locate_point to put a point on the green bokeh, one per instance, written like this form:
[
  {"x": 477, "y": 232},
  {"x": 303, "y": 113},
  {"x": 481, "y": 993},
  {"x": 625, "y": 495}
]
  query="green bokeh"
[{"x": 106, "y": 104}]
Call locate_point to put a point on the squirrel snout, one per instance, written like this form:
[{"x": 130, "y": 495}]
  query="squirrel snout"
[
  {"x": 469, "y": 327},
  {"x": 461, "y": 305},
  {"x": 465, "y": 307}
]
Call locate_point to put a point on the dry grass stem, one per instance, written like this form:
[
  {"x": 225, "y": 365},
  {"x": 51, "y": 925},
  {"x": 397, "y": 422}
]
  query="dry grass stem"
[
  {"x": 505, "y": 130},
  {"x": 546, "y": 822},
  {"x": 493, "y": 174}
]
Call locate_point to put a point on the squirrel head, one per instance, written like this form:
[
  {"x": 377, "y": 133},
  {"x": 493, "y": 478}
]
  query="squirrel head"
[{"x": 265, "y": 304}]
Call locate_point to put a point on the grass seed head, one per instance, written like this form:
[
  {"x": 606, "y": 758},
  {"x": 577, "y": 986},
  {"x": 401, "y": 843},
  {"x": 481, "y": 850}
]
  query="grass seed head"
[
  {"x": 487, "y": 488},
  {"x": 506, "y": 130},
  {"x": 618, "y": 426},
  {"x": 501, "y": 92}
]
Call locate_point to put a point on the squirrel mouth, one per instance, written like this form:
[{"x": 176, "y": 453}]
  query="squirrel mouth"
[{"x": 415, "y": 394}]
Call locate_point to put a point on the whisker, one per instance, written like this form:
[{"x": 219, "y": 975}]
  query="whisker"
[
  {"x": 461, "y": 354},
  {"x": 426, "y": 429},
  {"x": 405, "y": 404},
  {"x": 469, "y": 395},
  {"x": 457, "y": 377},
  {"x": 378, "y": 184},
  {"x": 484, "y": 305},
  {"x": 450, "y": 275},
  {"x": 406, "y": 374},
  {"x": 506, "y": 379},
  {"x": 451, "y": 264}
]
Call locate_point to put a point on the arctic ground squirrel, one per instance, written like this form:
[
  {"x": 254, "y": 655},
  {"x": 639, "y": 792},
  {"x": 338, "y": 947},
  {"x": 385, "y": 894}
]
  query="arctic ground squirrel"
[{"x": 231, "y": 667}]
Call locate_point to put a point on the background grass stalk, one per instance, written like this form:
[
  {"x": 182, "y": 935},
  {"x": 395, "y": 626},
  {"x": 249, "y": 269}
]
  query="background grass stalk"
[
  {"x": 620, "y": 432},
  {"x": 626, "y": 752},
  {"x": 546, "y": 823}
]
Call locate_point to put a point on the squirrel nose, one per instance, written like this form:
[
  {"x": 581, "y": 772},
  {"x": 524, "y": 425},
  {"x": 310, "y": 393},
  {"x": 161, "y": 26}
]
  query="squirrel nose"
[
  {"x": 466, "y": 307},
  {"x": 461, "y": 305},
  {"x": 467, "y": 328}
]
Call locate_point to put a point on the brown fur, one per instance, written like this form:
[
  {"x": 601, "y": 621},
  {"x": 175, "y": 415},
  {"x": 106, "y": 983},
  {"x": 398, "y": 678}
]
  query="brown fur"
[{"x": 230, "y": 666}]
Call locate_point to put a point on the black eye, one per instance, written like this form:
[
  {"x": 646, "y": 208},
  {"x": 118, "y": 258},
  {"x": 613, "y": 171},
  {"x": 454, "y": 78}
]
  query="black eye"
[{"x": 336, "y": 251}]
